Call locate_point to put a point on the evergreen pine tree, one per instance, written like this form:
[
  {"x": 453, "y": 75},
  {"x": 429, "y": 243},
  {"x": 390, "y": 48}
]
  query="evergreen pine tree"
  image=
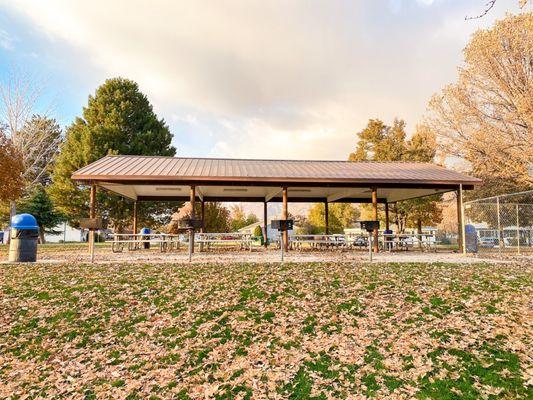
[
  {"x": 41, "y": 207},
  {"x": 118, "y": 119}
]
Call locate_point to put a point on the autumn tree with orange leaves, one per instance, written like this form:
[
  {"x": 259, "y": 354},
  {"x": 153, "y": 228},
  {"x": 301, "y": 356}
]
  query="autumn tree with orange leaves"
[
  {"x": 486, "y": 117},
  {"x": 11, "y": 169}
]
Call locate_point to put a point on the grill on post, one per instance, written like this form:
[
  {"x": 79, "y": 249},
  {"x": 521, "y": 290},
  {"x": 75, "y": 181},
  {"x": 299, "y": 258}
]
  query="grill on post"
[
  {"x": 282, "y": 225},
  {"x": 369, "y": 226},
  {"x": 190, "y": 224}
]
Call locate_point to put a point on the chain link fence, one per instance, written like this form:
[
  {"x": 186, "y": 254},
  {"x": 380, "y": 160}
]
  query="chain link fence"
[{"x": 501, "y": 223}]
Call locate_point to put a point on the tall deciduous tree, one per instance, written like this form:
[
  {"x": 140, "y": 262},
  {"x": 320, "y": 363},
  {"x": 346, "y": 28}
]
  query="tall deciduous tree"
[
  {"x": 240, "y": 219},
  {"x": 11, "y": 170},
  {"x": 379, "y": 142},
  {"x": 340, "y": 216},
  {"x": 486, "y": 118},
  {"x": 118, "y": 119},
  {"x": 216, "y": 217},
  {"x": 422, "y": 147},
  {"x": 36, "y": 138}
]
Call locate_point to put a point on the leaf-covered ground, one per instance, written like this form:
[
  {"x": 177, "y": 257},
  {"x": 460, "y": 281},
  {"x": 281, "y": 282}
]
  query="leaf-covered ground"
[{"x": 300, "y": 331}]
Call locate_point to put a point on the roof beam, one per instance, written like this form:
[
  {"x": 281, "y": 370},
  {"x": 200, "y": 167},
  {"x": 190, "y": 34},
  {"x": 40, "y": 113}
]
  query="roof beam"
[
  {"x": 291, "y": 184},
  {"x": 122, "y": 190},
  {"x": 272, "y": 193},
  {"x": 260, "y": 199},
  {"x": 337, "y": 196},
  {"x": 199, "y": 193}
]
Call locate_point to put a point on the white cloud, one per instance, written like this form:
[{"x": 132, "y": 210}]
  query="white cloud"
[
  {"x": 6, "y": 41},
  {"x": 266, "y": 79}
]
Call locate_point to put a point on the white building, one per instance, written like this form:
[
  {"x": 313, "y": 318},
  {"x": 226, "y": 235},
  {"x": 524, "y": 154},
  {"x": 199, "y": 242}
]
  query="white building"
[{"x": 66, "y": 234}]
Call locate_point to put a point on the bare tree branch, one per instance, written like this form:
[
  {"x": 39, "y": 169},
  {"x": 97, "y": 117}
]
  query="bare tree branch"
[
  {"x": 488, "y": 7},
  {"x": 35, "y": 137}
]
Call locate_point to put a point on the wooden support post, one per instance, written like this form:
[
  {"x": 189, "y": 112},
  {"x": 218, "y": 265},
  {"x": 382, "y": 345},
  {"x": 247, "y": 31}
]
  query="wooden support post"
[
  {"x": 387, "y": 221},
  {"x": 202, "y": 217},
  {"x": 265, "y": 223},
  {"x": 134, "y": 218},
  {"x": 92, "y": 214},
  {"x": 193, "y": 215},
  {"x": 375, "y": 218},
  {"x": 326, "y": 217},
  {"x": 285, "y": 215},
  {"x": 461, "y": 239}
]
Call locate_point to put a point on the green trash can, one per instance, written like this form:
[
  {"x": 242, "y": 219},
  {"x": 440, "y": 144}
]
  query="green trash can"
[{"x": 23, "y": 238}]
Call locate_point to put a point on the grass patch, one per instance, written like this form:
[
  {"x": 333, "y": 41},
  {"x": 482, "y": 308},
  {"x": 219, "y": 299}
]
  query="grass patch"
[{"x": 297, "y": 331}]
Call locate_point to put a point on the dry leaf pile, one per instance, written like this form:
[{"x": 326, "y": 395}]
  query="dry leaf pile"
[{"x": 300, "y": 331}]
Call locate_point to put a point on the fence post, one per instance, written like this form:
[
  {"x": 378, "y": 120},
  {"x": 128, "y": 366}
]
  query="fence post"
[
  {"x": 499, "y": 226},
  {"x": 517, "y": 231},
  {"x": 461, "y": 221}
]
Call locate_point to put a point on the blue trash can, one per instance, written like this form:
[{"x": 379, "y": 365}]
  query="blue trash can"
[
  {"x": 146, "y": 231},
  {"x": 471, "y": 240},
  {"x": 23, "y": 238}
]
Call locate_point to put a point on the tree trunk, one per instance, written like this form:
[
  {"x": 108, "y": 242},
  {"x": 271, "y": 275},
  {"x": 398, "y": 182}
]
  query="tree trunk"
[
  {"x": 12, "y": 213},
  {"x": 42, "y": 240},
  {"x": 396, "y": 219}
]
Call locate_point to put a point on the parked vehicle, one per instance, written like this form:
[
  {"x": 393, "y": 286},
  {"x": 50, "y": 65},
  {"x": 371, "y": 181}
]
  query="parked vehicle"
[
  {"x": 360, "y": 241},
  {"x": 410, "y": 240},
  {"x": 489, "y": 242}
]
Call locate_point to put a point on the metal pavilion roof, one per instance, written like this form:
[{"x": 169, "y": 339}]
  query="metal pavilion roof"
[{"x": 146, "y": 169}]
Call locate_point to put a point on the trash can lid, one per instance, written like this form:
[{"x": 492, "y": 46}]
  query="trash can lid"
[
  {"x": 470, "y": 229},
  {"x": 24, "y": 221},
  {"x": 145, "y": 230}
]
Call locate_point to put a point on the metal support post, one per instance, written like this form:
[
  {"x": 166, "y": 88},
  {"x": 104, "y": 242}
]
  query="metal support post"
[
  {"x": 517, "y": 230},
  {"x": 499, "y": 225},
  {"x": 370, "y": 245}
]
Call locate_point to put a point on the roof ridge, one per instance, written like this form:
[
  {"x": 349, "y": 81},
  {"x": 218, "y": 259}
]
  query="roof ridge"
[{"x": 273, "y": 159}]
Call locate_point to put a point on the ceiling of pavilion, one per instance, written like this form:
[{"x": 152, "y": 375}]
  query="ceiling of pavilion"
[{"x": 265, "y": 193}]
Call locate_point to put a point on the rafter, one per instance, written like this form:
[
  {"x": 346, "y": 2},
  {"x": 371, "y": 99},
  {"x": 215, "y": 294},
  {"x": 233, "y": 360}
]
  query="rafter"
[
  {"x": 337, "y": 196},
  {"x": 272, "y": 194},
  {"x": 199, "y": 193}
]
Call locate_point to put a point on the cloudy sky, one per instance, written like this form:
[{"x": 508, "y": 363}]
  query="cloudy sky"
[{"x": 270, "y": 79}]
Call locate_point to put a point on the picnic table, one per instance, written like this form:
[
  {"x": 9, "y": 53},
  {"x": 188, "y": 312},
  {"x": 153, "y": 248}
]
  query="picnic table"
[
  {"x": 317, "y": 241},
  {"x": 136, "y": 241},
  {"x": 243, "y": 240},
  {"x": 404, "y": 241}
]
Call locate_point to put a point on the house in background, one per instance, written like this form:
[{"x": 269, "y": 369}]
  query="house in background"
[{"x": 66, "y": 234}]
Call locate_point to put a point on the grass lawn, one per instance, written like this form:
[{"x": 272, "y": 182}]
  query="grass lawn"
[{"x": 266, "y": 331}]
